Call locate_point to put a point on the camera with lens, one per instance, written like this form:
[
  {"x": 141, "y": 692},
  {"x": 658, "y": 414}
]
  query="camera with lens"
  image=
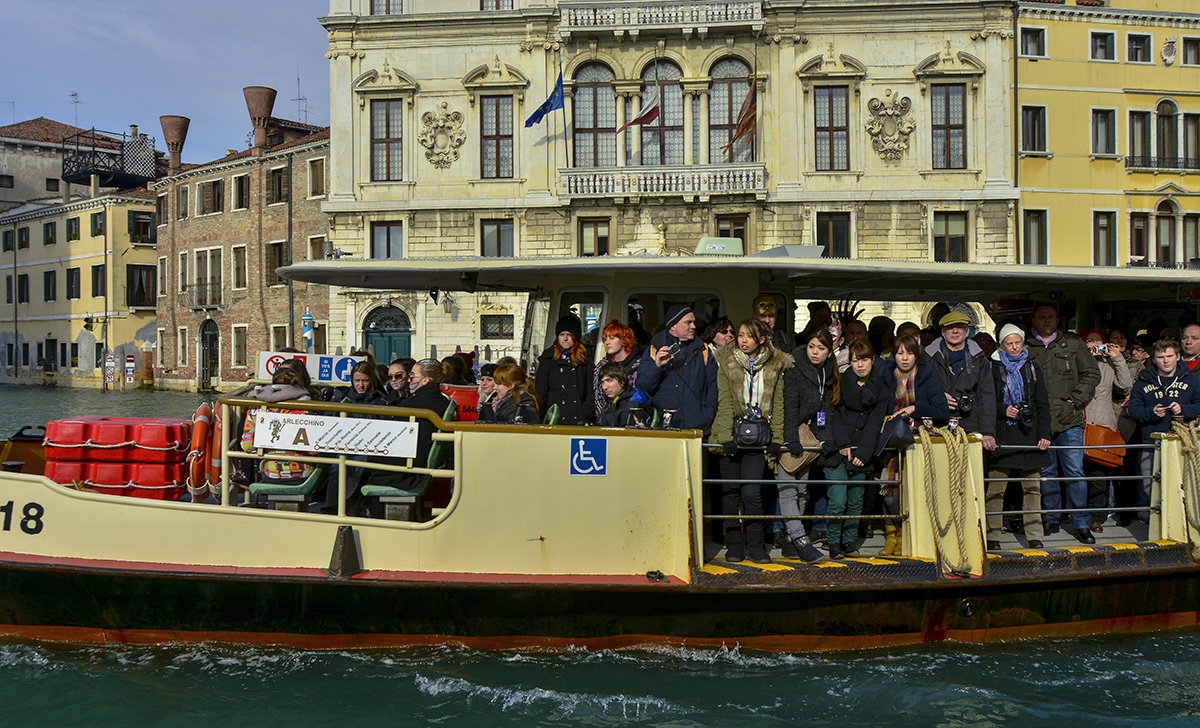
[
  {"x": 1101, "y": 350},
  {"x": 1025, "y": 414},
  {"x": 966, "y": 403}
]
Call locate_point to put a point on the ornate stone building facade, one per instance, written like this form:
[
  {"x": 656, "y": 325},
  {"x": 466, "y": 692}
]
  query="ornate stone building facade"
[{"x": 882, "y": 130}]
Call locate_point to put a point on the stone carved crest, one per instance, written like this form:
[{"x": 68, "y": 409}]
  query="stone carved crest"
[
  {"x": 1169, "y": 51},
  {"x": 442, "y": 134},
  {"x": 890, "y": 125}
]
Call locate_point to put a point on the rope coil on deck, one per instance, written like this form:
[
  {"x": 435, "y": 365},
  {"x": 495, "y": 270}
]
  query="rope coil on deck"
[
  {"x": 956, "y": 451},
  {"x": 1189, "y": 437}
]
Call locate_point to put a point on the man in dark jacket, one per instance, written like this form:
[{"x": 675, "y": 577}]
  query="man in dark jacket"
[
  {"x": 1164, "y": 391},
  {"x": 966, "y": 375},
  {"x": 1071, "y": 376},
  {"x": 679, "y": 375}
]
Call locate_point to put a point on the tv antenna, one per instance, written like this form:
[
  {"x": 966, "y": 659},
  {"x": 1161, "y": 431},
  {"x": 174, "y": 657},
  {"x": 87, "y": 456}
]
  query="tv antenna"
[
  {"x": 301, "y": 101},
  {"x": 76, "y": 102}
]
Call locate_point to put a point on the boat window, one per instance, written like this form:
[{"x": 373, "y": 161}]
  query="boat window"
[
  {"x": 537, "y": 320},
  {"x": 646, "y": 310}
]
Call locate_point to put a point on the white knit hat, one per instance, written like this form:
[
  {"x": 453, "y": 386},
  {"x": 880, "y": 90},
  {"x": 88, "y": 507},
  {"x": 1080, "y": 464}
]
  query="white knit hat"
[{"x": 1008, "y": 330}]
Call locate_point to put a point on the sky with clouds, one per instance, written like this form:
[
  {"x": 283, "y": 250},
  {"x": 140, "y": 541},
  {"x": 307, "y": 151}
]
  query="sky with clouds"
[{"x": 132, "y": 61}]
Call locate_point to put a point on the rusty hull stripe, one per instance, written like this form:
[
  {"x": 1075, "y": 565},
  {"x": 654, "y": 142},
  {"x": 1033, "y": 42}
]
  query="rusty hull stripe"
[{"x": 766, "y": 643}]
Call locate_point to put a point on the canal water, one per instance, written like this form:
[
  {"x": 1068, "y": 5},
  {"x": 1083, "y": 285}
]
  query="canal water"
[{"x": 1108, "y": 680}]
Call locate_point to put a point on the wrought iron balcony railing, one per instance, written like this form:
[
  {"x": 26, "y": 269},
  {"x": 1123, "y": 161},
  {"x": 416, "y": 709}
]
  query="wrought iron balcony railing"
[
  {"x": 202, "y": 295},
  {"x": 633, "y": 16},
  {"x": 1187, "y": 164},
  {"x": 689, "y": 181}
]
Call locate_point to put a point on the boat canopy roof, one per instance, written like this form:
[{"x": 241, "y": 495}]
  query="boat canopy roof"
[{"x": 807, "y": 277}]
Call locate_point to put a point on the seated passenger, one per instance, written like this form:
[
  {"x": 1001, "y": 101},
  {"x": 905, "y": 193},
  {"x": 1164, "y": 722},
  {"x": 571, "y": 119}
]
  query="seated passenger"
[
  {"x": 620, "y": 346},
  {"x": 286, "y": 385},
  {"x": 487, "y": 390},
  {"x": 396, "y": 388},
  {"x": 365, "y": 387},
  {"x": 516, "y": 403},
  {"x": 425, "y": 393},
  {"x": 624, "y": 405}
]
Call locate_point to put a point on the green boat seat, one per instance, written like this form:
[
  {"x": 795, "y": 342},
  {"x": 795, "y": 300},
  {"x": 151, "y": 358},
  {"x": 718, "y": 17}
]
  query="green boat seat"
[
  {"x": 404, "y": 504},
  {"x": 552, "y": 415},
  {"x": 292, "y": 496}
]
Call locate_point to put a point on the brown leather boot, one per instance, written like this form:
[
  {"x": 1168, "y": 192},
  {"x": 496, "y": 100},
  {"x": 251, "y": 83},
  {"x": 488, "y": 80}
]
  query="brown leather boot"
[{"x": 891, "y": 541}]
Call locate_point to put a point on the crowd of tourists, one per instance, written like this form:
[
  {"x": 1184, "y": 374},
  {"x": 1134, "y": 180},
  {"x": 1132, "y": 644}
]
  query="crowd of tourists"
[{"x": 805, "y": 427}]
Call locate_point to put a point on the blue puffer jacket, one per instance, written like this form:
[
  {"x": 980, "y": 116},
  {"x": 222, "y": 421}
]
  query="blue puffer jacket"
[
  {"x": 686, "y": 384},
  {"x": 931, "y": 398}
]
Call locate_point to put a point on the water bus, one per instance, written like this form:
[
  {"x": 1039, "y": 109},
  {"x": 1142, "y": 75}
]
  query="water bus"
[{"x": 546, "y": 535}]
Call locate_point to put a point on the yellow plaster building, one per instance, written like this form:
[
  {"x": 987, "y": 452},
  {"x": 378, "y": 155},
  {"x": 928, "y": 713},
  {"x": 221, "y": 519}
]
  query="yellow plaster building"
[
  {"x": 80, "y": 281},
  {"x": 1108, "y": 109}
]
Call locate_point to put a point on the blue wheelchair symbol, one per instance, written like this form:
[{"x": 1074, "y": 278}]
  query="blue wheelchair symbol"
[{"x": 589, "y": 456}]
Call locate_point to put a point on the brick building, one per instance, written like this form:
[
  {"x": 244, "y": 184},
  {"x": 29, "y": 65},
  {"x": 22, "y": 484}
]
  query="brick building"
[{"x": 224, "y": 228}]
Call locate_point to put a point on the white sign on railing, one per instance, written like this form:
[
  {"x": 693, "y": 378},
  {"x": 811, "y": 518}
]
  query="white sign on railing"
[
  {"x": 336, "y": 435},
  {"x": 321, "y": 368}
]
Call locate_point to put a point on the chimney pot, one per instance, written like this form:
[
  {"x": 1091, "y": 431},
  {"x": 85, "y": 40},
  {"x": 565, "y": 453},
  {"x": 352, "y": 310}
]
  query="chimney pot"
[
  {"x": 175, "y": 130},
  {"x": 260, "y": 100}
]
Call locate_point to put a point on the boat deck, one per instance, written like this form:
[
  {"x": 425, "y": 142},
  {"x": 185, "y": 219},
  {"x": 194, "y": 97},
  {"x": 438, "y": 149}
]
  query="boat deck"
[{"x": 1117, "y": 550}]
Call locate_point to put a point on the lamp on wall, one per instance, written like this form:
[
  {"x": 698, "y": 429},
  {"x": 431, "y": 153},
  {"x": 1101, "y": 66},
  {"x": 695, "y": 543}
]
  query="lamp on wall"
[{"x": 448, "y": 303}]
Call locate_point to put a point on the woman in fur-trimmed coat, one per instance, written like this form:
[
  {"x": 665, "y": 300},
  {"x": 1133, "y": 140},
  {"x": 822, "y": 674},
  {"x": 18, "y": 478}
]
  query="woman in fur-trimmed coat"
[{"x": 749, "y": 372}]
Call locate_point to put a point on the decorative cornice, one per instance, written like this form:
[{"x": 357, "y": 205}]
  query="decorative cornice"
[
  {"x": 92, "y": 203},
  {"x": 1111, "y": 15},
  {"x": 334, "y": 53}
]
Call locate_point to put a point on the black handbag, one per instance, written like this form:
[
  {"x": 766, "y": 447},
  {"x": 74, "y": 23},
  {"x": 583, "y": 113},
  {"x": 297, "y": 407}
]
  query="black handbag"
[
  {"x": 752, "y": 429},
  {"x": 896, "y": 434}
]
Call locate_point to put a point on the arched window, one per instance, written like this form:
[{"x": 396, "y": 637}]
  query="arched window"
[
  {"x": 669, "y": 124},
  {"x": 595, "y": 117},
  {"x": 1168, "y": 134},
  {"x": 730, "y": 85},
  {"x": 1164, "y": 233}
]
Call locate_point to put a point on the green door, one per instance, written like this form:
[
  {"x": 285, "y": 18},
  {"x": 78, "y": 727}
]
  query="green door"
[{"x": 387, "y": 334}]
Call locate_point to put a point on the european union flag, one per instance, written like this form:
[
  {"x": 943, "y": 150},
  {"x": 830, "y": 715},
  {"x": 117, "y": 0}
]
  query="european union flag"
[{"x": 554, "y": 102}]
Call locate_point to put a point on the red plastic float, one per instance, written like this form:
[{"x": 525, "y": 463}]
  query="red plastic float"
[
  {"x": 119, "y": 439},
  {"x": 131, "y": 456}
]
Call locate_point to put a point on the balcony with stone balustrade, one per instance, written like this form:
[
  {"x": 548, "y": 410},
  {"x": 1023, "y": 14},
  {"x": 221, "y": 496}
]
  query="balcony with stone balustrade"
[
  {"x": 631, "y": 17},
  {"x": 690, "y": 182}
]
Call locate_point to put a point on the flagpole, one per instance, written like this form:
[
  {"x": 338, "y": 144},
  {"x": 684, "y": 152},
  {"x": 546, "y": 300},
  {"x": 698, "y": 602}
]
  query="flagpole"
[
  {"x": 662, "y": 111},
  {"x": 563, "y": 108}
]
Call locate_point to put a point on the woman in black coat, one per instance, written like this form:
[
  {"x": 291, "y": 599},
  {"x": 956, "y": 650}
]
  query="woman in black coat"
[
  {"x": 807, "y": 393},
  {"x": 1023, "y": 419},
  {"x": 515, "y": 402},
  {"x": 861, "y": 401},
  {"x": 564, "y": 375}
]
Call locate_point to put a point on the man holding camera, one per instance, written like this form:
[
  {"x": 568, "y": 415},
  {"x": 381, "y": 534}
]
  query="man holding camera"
[
  {"x": 679, "y": 375},
  {"x": 1071, "y": 375},
  {"x": 1022, "y": 421},
  {"x": 966, "y": 375}
]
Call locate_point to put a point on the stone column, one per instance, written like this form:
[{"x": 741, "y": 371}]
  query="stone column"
[{"x": 688, "y": 131}]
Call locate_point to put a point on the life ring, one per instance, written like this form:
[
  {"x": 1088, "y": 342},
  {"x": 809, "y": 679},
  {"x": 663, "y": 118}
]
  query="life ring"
[
  {"x": 214, "y": 457},
  {"x": 197, "y": 458}
]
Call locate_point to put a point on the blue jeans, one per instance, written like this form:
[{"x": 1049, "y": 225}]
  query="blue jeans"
[{"x": 1066, "y": 493}]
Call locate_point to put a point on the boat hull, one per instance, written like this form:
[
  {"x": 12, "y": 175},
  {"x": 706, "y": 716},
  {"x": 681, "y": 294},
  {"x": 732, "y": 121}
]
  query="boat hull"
[{"x": 49, "y": 602}]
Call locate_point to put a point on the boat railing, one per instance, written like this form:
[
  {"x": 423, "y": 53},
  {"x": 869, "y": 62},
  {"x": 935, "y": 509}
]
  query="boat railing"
[
  {"x": 944, "y": 478},
  {"x": 231, "y": 404}
]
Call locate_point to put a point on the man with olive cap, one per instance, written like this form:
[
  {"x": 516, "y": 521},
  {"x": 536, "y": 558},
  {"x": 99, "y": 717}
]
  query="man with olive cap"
[
  {"x": 678, "y": 373},
  {"x": 966, "y": 375}
]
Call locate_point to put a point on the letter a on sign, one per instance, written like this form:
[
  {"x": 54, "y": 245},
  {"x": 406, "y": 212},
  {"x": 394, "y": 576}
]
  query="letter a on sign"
[{"x": 301, "y": 437}]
